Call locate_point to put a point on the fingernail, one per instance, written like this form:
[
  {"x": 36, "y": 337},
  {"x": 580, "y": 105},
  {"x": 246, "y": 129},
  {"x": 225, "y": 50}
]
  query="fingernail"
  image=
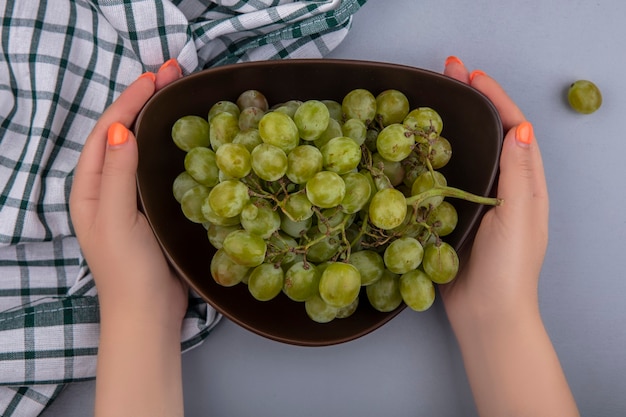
[
  {"x": 475, "y": 73},
  {"x": 117, "y": 134},
  {"x": 453, "y": 59},
  {"x": 172, "y": 63},
  {"x": 148, "y": 75},
  {"x": 524, "y": 133}
]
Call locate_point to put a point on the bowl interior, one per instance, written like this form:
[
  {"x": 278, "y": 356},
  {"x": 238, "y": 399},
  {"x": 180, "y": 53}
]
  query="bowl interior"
[{"x": 471, "y": 123}]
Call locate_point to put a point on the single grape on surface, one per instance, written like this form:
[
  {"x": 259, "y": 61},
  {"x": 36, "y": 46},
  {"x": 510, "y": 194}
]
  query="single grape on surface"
[
  {"x": 584, "y": 96},
  {"x": 323, "y": 200}
]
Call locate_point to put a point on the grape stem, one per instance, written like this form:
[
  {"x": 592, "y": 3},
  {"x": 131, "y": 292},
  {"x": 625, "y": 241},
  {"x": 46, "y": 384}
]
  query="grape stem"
[
  {"x": 447, "y": 191},
  {"x": 362, "y": 230},
  {"x": 439, "y": 190},
  {"x": 331, "y": 230}
]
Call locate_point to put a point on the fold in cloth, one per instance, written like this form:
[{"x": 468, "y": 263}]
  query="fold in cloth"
[{"x": 61, "y": 64}]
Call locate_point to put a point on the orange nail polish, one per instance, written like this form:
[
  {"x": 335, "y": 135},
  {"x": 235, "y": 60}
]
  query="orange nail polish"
[
  {"x": 172, "y": 63},
  {"x": 148, "y": 75},
  {"x": 475, "y": 73},
  {"x": 452, "y": 59},
  {"x": 117, "y": 134},
  {"x": 524, "y": 133}
]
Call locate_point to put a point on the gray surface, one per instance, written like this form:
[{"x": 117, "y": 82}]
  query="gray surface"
[{"x": 412, "y": 365}]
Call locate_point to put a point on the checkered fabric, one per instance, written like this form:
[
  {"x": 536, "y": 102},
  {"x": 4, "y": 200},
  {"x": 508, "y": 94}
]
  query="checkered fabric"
[{"x": 62, "y": 63}]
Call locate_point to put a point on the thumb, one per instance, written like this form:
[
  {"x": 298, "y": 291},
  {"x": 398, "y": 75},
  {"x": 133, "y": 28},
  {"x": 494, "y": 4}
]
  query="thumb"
[
  {"x": 522, "y": 183},
  {"x": 118, "y": 192}
]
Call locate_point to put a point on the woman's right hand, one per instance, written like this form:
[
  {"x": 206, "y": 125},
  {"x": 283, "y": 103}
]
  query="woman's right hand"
[
  {"x": 502, "y": 272},
  {"x": 492, "y": 304}
]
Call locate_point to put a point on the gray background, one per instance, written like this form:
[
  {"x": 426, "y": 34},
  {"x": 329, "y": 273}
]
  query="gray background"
[{"x": 412, "y": 365}]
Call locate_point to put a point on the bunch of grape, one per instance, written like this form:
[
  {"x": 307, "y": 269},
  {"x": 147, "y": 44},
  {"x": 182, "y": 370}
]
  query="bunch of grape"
[{"x": 318, "y": 199}]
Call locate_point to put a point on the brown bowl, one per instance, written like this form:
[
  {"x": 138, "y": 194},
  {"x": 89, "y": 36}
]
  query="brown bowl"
[{"x": 471, "y": 123}]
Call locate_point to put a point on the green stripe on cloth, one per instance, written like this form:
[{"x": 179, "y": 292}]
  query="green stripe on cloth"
[
  {"x": 27, "y": 400},
  {"x": 68, "y": 310}
]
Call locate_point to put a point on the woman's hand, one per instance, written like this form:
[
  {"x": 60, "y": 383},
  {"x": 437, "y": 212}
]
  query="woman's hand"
[
  {"x": 502, "y": 272},
  {"x": 142, "y": 303},
  {"x": 492, "y": 304},
  {"x": 128, "y": 266}
]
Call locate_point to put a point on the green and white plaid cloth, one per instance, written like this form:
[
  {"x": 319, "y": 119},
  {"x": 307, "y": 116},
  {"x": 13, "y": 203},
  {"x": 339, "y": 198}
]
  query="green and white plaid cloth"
[{"x": 62, "y": 63}]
